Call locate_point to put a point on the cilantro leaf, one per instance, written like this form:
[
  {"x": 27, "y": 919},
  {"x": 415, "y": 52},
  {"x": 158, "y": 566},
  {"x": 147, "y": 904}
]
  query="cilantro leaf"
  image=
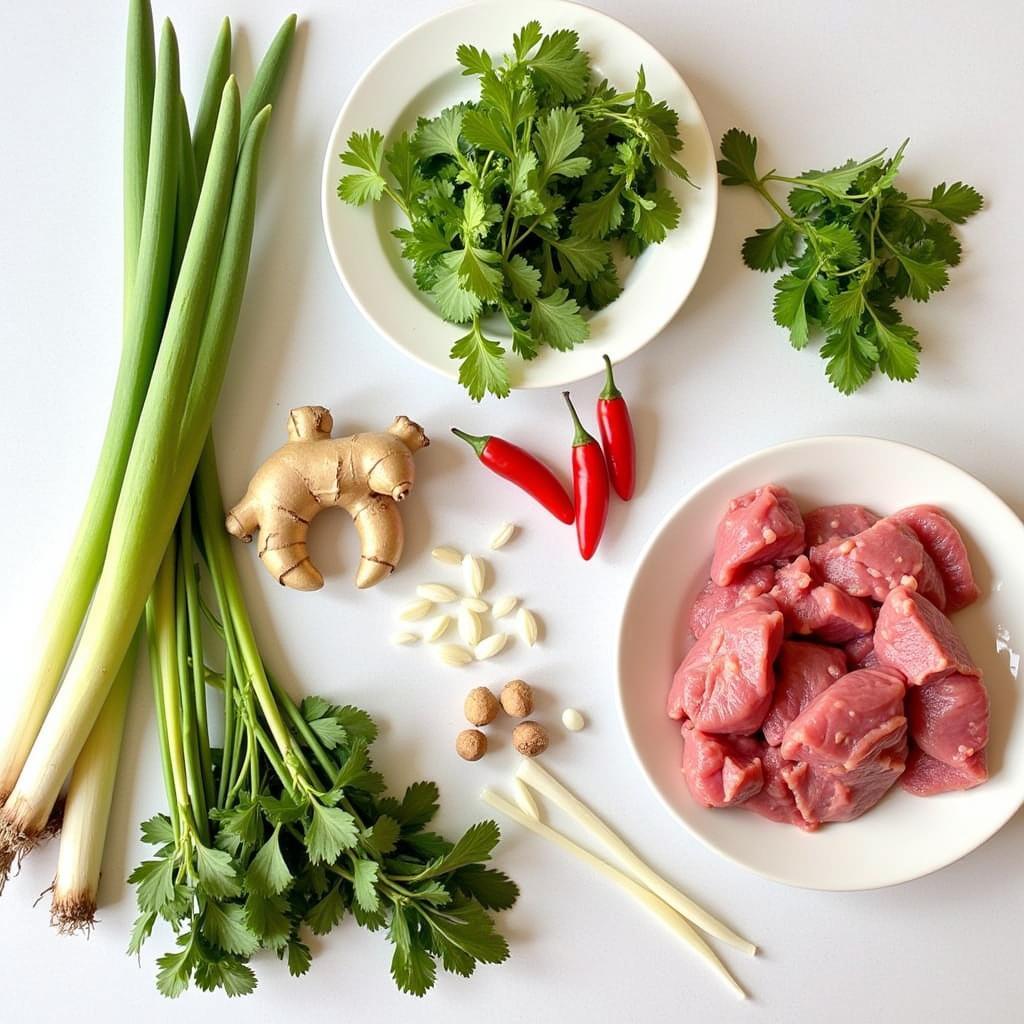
[
  {"x": 837, "y": 181},
  {"x": 225, "y": 926},
  {"x": 559, "y": 135},
  {"x": 955, "y": 202},
  {"x": 561, "y": 67},
  {"x": 479, "y": 273},
  {"x": 439, "y": 136},
  {"x": 492, "y": 889},
  {"x": 383, "y": 835},
  {"x": 770, "y": 248},
  {"x": 412, "y": 966},
  {"x": 299, "y": 957},
  {"x": 268, "y": 873},
  {"x": 455, "y": 301},
  {"x": 789, "y": 309},
  {"x": 897, "y": 348},
  {"x": 654, "y": 214},
  {"x": 925, "y": 276},
  {"x": 216, "y": 872},
  {"x": 476, "y": 845},
  {"x": 267, "y": 918},
  {"x": 473, "y": 60},
  {"x": 325, "y": 914},
  {"x": 556, "y": 320},
  {"x": 154, "y": 880},
  {"x": 851, "y": 357},
  {"x": 364, "y": 884},
  {"x": 739, "y": 154},
  {"x": 175, "y": 971},
  {"x": 601, "y": 216},
  {"x": 234, "y": 977},
  {"x": 330, "y": 831},
  {"x": 482, "y": 368},
  {"x": 365, "y": 152},
  {"x": 523, "y": 277},
  {"x": 526, "y": 39},
  {"x": 157, "y": 831},
  {"x": 587, "y": 256}
]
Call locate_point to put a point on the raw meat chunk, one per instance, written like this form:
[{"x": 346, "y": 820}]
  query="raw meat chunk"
[
  {"x": 757, "y": 528},
  {"x": 927, "y": 776},
  {"x": 721, "y": 770},
  {"x": 949, "y": 718},
  {"x": 841, "y": 521},
  {"x": 725, "y": 682},
  {"x": 854, "y": 720},
  {"x": 915, "y": 638},
  {"x": 942, "y": 541},
  {"x": 860, "y": 651},
  {"x": 713, "y": 599},
  {"x": 929, "y": 583},
  {"x": 774, "y": 800},
  {"x": 832, "y": 794},
  {"x": 803, "y": 671},
  {"x": 872, "y": 562},
  {"x": 825, "y": 611}
]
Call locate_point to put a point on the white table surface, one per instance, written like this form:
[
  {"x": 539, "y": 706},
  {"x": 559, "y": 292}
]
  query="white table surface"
[{"x": 819, "y": 82}]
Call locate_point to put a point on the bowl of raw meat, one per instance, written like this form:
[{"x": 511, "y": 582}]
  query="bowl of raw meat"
[{"x": 818, "y": 662}]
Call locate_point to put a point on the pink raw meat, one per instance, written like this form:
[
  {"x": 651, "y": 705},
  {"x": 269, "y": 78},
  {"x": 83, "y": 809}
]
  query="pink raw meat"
[
  {"x": 872, "y": 562},
  {"x": 949, "y": 718},
  {"x": 860, "y": 651},
  {"x": 915, "y": 638},
  {"x": 927, "y": 776},
  {"x": 721, "y": 771},
  {"x": 825, "y": 611},
  {"x": 758, "y": 527},
  {"x": 854, "y": 720},
  {"x": 929, "y": 583},
  {"x": 803, "y": 671},
  {"x": 713, "y": 599},
  {"x": 724, "y": 684},
  {"x": 832, "y": 794},
  {"x": 942, "y": 541},
  {"x": 840, "y": 521},
  {"x": 774, "y": 800}
]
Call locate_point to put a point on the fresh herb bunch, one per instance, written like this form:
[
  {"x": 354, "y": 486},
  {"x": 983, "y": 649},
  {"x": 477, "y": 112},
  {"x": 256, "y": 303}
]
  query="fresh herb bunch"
[
  {"x": 286, "y": 827},
  {"x": 854, "y": 245},
  {"x": 514, "y": 201}
]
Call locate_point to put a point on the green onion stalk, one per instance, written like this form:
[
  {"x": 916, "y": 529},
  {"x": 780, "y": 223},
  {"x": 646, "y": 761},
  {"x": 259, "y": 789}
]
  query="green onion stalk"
[{"x": 77, "y": 880}]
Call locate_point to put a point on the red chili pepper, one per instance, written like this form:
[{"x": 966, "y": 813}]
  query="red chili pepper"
[
  {"x": 521, "y": 468},
  {"x": 617, "y": 436},
  {"x": 590, "y": 486}
]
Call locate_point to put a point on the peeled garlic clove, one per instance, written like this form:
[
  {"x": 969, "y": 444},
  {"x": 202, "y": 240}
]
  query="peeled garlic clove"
[
  {"x": 471, "y": 629},
  {"x": 476, "y": 604},
  {"x": 453, "y": 654},
  {"x": 449, "y": 556},
  {"x": 438, "y": 629},
  {"x": 416, "y": 610},
  {"x": 504, "y": 606},
  {"x": 474, "y": 574},
  {"x": 572, "y": 720},
  {"x": 404, "y": 639},
  {"x": 502, "y": 535},
  {"x": 436, "y": 592},
  {"x": 489, "y": 647},
  {"x": 527, "y": 623}
]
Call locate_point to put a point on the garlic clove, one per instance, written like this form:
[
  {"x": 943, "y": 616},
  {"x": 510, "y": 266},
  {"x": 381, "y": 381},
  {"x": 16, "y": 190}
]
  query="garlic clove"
[
  {"x": 490, "y": 646},
  {"x": 474, "y": 573},
  {"x": 404, "y": 639},
  {"x": 476, "y": 604},
  {"x": 438, "y": 629},
  {"x": 527, "y": 624},
  {"x": 447, "y": 556},
  {"x": 502, "y": 535},
  {"x": 471, "y": 629},
  {"x": 504, "y": 606},
  {"x": 436, "y": 592},
  {"x": 573, "y": 720},
  {"x": 454, "y": 655},
  {"x": 416, "y": 610}
]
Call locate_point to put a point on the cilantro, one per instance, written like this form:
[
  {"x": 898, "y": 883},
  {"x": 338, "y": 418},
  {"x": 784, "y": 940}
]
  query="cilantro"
[
  {"x": 852, "y": 244},
  {"x": 516, "y": 201}
]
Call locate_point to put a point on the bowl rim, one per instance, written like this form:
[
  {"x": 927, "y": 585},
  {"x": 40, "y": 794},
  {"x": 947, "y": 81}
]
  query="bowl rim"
[
  {"x": 450, "y": 372},
  {"x": 663, "y": 524}
]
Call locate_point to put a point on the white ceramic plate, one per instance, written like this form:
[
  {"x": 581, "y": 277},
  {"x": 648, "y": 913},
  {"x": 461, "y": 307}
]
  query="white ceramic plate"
[
  {"x": 418, "y": 75},
  {"x": 904, "y": 837}
]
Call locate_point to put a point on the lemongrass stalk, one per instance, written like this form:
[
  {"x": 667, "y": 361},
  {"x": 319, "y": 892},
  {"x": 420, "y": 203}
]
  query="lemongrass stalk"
[
  {"x": 156, "y": 678},
  {"x": 674, "y": 921},
  {"x": 217, "y": 74},
  {"x": 266, "y": 83},
  {"x": 188, "y": 189},
  {"x": 155, "y": 484},
  {"x": 87, "y": 809},
  {"x": 150, "y": 171},
  {"x": 540, "y": 779}
]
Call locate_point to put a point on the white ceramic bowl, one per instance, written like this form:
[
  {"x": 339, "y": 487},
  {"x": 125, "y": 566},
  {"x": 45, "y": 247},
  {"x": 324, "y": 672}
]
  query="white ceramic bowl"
[
  {"x": 418, "y": 75},
  {"x": 904, "y": 837}
]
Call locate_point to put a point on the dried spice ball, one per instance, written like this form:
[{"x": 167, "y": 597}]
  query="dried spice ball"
[
  {"x": 481, "y": 706},
  {"x": 517, "y": 699},
  {"x": 530, "y": 738},
  {"x": 471, "y": 744}
]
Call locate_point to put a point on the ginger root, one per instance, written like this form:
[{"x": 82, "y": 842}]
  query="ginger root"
[{"x": 365, "y": 474}]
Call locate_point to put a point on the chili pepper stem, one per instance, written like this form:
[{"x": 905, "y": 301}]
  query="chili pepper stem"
[
  {"x": 475, "y": 442},
  {"x": 610, "y": 390},
  {"x": 581, "y": 437}
]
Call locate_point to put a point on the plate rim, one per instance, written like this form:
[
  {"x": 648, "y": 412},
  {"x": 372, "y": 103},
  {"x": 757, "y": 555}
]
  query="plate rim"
[
  {"x": 638, "y": 563},
  {"x": 327, "y": 194}
]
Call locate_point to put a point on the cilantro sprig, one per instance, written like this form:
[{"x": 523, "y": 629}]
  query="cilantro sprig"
[
  {"x": 852, "y": 245},
  {"x": 516, "y": 201}
]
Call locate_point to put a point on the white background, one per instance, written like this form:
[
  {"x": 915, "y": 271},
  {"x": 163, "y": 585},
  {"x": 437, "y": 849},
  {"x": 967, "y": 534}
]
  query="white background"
[{"x": 818, "y": 82}]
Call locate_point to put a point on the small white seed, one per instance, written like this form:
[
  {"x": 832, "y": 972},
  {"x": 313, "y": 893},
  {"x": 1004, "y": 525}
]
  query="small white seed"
[
  {"x": 449, "y": 556},
  {"x": 504, "y": 606},
  {"x": 436, "y": 592},
  {"x": 572, "y": 720},
  {"x": 502, "y": 535},
  {"x": 476, "y": 604},
  {"x": 438, "y": 629},
  {"x": 490, "y": 646},
  {"x": 416, "y": 610},
  {"x": 453, "y": 654},
  {"x": 527, "y": 623},
  {"x": 404, "y": 639},
  {"x": 471, "y": 629},
  {"x": 525, "y": 798},
  {"x": 474, "y": 573}
]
